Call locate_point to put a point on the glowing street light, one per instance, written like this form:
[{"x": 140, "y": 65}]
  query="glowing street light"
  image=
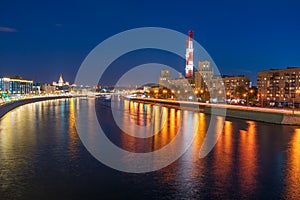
[{"x": 251, "y": 92}]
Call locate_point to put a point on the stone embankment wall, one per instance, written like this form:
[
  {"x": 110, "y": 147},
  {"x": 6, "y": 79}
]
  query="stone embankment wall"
[{"x": 5, "y": 108}]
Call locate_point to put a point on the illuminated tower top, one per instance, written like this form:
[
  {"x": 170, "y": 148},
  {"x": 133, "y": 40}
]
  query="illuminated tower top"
[
  {"x": 190, "y": 40},
  {"x": 60, "y": 81}
]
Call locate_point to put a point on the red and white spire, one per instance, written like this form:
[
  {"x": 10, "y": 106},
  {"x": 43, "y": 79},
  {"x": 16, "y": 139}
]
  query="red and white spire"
[{"x": 189, "y": 66}]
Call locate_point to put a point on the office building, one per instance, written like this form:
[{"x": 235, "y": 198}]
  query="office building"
[{"x": 15, "y": 86}]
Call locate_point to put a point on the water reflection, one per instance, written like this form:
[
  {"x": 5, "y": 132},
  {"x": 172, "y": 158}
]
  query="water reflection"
[
  {"x": 73, "y": 142},
  {"x": 247, "y": 158},
  {"x": 293, "y": 169},
  {"x": 38, "y": 143},
  {"x": 32, "y": 139},
  {"x": 16, "y": 148},
  {"x": 223, "y": 157}
]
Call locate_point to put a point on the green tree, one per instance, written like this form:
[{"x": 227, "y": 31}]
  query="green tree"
[{"x": 240, "y": 91}]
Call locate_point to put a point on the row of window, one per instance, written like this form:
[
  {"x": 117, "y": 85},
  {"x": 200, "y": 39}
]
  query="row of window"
[{"x": 14, "y": 87}]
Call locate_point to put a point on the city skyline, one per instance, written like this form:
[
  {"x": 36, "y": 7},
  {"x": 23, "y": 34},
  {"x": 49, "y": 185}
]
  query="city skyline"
[
  {"x": 149, "y": 99},
  {"x": 41, "y": 47}
]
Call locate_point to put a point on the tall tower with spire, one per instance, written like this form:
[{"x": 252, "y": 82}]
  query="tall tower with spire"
[
  {"x": 61, "y": 80},
  {"x": 189, "y": 66}
]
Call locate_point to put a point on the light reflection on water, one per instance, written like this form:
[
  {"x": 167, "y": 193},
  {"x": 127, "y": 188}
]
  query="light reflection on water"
[
  {"x": 42, "y": 156},
  {"x": 293, "y": 171}
]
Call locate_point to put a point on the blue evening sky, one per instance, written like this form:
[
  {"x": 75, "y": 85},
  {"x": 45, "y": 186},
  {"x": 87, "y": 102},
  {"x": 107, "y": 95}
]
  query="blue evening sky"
[{"x": 40, "y": 39}]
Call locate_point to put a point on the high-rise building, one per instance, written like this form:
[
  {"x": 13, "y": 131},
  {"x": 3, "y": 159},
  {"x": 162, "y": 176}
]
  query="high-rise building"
[
  {"x": 16, "y": 85},
  {"x": 204, "y": 74},
  {"x": 279, "y": 85},
  {"x": 189, "y": 66},
  {"x": 165, "y": 78}
]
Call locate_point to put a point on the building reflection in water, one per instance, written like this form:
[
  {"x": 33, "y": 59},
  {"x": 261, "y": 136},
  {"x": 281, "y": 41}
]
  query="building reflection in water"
[
  {"x": 222, "y": 157},
  {"x": 17, "y": 146},
  {"x": 73, "y": 137},
  {"x": 40, "y": 140},
  {"x": 247, "y": 154},
  {"x": 293, "y": 168}
]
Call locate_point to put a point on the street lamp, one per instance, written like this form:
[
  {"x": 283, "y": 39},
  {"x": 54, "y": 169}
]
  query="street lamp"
[
  {"x": 245, "y": 95},
  {"x": 228, "y": 93},
  {"x": 251, "y": 92},
  {"x": 201, "y": 94},
  {"x": 228, "y": 97}
]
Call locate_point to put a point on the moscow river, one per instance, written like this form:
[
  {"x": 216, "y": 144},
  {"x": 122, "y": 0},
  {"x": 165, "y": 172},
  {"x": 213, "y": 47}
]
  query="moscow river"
[{"x": 42, "y": 156}]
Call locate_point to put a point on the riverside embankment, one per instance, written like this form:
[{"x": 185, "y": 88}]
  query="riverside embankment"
[
  {"x": 276, "y": 116},
  {"x": 5, "y": 108}
]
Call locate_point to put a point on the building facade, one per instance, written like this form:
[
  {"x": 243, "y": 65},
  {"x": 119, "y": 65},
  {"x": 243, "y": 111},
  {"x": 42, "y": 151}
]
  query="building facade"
[
  {"x": 235, "y": 84},
  {"x": 15, "y": 86},
  {"x": 48, "y": 88},
  {"x": 225, "y": 87},
  {"x": 203, "y": 75},
  {"x": 61, "y": 86},
  {"x": 165, "y": 78},
  {"x": 279, "y": 85}
]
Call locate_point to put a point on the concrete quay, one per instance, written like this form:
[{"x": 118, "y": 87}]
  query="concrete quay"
[{"x": 269, "y": 115}]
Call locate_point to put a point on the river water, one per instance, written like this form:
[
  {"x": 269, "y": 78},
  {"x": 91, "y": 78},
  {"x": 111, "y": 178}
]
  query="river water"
[{"x": 42, "y": 157}]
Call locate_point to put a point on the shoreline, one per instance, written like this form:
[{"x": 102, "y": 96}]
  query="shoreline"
[
  {"x": 267, "y": 115},
  {"x": 7, "y": 107},
  {"x": 283, "y": 117}
]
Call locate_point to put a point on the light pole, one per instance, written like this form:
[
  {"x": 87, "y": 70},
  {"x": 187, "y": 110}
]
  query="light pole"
[
  {"x": 251, "y": 92},
  {"x": 245, "y": 95},
  {"x": 201, "y": 94},
  {"x": 228, "y": 96}
]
